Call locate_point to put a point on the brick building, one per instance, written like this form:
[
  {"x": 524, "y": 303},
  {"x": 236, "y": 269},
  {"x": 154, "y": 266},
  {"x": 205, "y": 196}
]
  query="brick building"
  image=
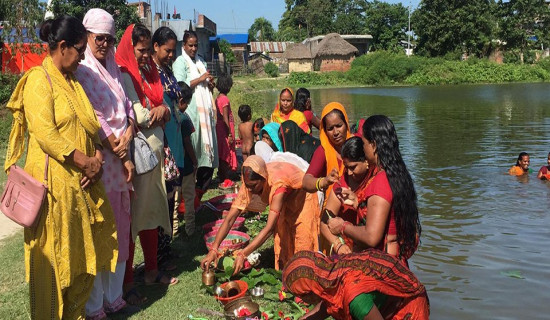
[{"x": 334, "y": 54}]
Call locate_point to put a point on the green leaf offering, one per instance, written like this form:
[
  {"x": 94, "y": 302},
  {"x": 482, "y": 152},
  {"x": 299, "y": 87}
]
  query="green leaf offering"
[{"x": 512, "y": 274}]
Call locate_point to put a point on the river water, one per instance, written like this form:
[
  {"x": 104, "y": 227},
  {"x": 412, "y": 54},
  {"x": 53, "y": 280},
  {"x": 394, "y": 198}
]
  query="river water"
[{"x": 485, "y": 250}]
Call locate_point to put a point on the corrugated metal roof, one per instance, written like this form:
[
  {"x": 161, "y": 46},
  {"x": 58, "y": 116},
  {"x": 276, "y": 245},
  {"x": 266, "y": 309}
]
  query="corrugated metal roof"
[
  {"x": 232, "y": 38},
  {"x": 269, "y": 46}
]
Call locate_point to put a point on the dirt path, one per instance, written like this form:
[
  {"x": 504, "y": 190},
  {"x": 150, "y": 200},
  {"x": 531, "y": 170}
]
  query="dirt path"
[{"x": 7, "y": 227}]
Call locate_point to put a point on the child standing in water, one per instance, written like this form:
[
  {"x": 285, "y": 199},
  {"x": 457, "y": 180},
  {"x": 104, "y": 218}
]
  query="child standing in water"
[
  {"x": 544, "y": 172},
  {"x": 522, "y": 165},
  {"x": 245, "y": 130},
  {"x": 225, "y": 131}
]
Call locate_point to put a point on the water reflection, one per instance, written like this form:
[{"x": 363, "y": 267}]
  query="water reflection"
[{"x": 479, "y": 224}]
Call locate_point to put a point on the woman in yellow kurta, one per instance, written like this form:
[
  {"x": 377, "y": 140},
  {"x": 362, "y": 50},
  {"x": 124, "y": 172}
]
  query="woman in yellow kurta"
[
  {"x": 293, "y": 213},
  {"x": 75, "y": 236}
]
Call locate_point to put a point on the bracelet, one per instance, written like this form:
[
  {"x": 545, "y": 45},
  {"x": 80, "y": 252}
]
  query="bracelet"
[
  {"x": 318, "y": 184},
  {"x": 238, "y": 253},
  {"x": 344, "y": 227},
  {"x": 336, "y": 249}
]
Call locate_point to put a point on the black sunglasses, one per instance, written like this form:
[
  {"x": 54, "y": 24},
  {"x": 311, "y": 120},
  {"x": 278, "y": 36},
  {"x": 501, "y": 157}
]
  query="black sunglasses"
[
  {"x": 100, "y": 40},
  {"x": 80, "y": 50}
]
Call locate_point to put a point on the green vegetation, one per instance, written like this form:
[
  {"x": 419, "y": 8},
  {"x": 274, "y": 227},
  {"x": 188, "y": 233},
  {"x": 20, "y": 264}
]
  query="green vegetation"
[
  {"x": 8, "y": 82},
  {"x": 271, "y": 69}
]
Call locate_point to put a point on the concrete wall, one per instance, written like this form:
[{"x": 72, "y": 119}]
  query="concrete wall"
[
  {"x": 334, "y": 63},
  {"x": 301, "y": 65}
]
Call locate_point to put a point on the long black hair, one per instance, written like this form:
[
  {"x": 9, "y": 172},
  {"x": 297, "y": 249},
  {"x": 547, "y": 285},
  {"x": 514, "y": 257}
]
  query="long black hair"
[
  {"x": 302, "y": 95},
  {"x": 521, "y": 155},
  {"x": 380, "y": 130},
  {"x": 65, "y": 28}
]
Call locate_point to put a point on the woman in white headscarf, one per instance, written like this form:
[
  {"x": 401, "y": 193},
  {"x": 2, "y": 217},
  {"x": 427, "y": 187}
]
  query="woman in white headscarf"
[{"x": 100, "y": 77}]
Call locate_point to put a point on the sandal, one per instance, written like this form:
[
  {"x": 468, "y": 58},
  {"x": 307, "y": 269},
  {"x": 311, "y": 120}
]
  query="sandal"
[
  {"x": 160, "y": 276},
  {"x": 133, "y": 297}
]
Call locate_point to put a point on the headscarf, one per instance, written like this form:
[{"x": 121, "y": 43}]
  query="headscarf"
[
  {"x": 272, "y": 129},
  {"x": 244, "y": 197},
  {"x": 338, "y": 282},
  {"x": 104, "y": 84},
  {"x": 331, "y": 154},
  {"x": 99, "y": 21},
  {"x": 294, "y": 115},
  {"x": 150, "y": 90},
  {"x": 295, "y": 140}
]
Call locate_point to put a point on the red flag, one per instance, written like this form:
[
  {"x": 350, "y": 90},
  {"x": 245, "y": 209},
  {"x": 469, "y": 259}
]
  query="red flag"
[{"x": 174, "y": 10}]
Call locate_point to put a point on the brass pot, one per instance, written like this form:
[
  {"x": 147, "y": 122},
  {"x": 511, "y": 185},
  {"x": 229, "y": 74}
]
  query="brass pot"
[
  {"x": 246, "y": 302},
  {"x": 208, "y": 277}
]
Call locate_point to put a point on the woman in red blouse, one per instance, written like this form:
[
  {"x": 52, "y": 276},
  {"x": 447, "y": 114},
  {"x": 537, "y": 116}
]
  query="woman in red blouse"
[{"x": 384, "y": 202}]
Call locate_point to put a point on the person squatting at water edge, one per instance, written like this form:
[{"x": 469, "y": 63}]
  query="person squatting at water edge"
[
  {"x": 370, "y": 285},
  {"x": 100, "y": 77},
  {"x": 75, "y": 237},
  {"x": 143, "y": 86},
  {"x": 293, "y": 213},
  {"x": 376, "y": 194},
  {"x": 522, "y": 165}
]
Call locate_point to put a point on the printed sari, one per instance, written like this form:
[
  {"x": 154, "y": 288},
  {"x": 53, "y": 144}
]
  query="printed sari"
[
  {"x": 295, "y": 140},
  {"x": 338, "y": 282}
]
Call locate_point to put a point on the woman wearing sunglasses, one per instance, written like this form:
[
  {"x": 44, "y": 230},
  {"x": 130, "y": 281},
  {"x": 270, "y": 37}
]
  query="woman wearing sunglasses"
[{"x": 75, "y": 236}]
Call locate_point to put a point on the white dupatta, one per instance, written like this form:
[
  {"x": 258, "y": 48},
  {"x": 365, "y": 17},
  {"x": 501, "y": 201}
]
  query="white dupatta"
[{"x": 205, "y": 103}]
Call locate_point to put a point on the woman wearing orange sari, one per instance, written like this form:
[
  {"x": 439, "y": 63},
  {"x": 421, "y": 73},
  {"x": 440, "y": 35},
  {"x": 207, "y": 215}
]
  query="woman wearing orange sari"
[
  {"x": 284, "y": 110},
  {"x": 293, "y": 213},
  {"x": 338, "y": 287}
]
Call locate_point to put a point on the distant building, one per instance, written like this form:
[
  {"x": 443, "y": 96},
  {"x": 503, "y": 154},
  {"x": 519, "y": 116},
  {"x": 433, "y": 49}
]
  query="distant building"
[
  {"x": 334, "y": 54},
  {"x": 299, "y": 57},
  {"x": 239, "y": 45},
  {"x": 275, "y": 50},
  {"x": 144, "y": 13},
  {"x": 204, "y": 29},
  {"x": 360, "y": 41}
]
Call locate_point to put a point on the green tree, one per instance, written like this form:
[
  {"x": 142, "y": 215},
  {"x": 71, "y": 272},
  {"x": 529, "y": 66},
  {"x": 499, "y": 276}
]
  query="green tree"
[
  {"x": 307, "y": 18},
  {"x": 387, "y": 23},
  {"x": 122, "y": 13},
  {"x": 350, "y": 17},
  {"x": 261, "y": 30},
  {"x": 225, "y": 48},
  {"x": 449, "y": 26},
  {"x": 19, "y": 20},
  {"x": 524, "y": 24}
]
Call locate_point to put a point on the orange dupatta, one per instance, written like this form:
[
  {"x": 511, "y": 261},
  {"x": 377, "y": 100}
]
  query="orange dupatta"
[
  {"x": 297, "y": 116},
  {"x": 331, "y": 155}
]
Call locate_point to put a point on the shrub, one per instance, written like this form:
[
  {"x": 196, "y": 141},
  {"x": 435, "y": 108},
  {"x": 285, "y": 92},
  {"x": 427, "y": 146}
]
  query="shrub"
[
  {"x": 317, "y": 78},
  {"x": 544, "y": 63},
  {"x": 8, "y": 82},
  {"x": 271, "y": 69}
]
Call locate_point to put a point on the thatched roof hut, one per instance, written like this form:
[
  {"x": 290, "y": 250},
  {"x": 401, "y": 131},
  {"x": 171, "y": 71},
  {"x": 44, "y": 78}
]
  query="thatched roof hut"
[
  {"x": 299, "y": 58},
  {"x": 334, "y": 54}
]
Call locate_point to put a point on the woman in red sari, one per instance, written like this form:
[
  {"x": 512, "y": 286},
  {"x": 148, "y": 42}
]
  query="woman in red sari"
[
  {"x": 339, "y": 287},
  {"x": 384, "y": 201}
]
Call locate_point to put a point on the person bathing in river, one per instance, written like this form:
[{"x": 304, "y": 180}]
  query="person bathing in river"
[
  {"x": 544, "y": 171},
  {"x": 293, "y": 213},
  {"x": 522, "y": 165}
]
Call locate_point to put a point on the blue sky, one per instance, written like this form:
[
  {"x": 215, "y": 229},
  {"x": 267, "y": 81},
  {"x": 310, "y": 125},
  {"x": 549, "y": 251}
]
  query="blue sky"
[{"x": 236, "y": 16}]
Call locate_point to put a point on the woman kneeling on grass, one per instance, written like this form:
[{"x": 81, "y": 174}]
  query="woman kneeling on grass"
[
  {"x": 293, "y": 213},
  {"x": 343, "y": 288}
]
